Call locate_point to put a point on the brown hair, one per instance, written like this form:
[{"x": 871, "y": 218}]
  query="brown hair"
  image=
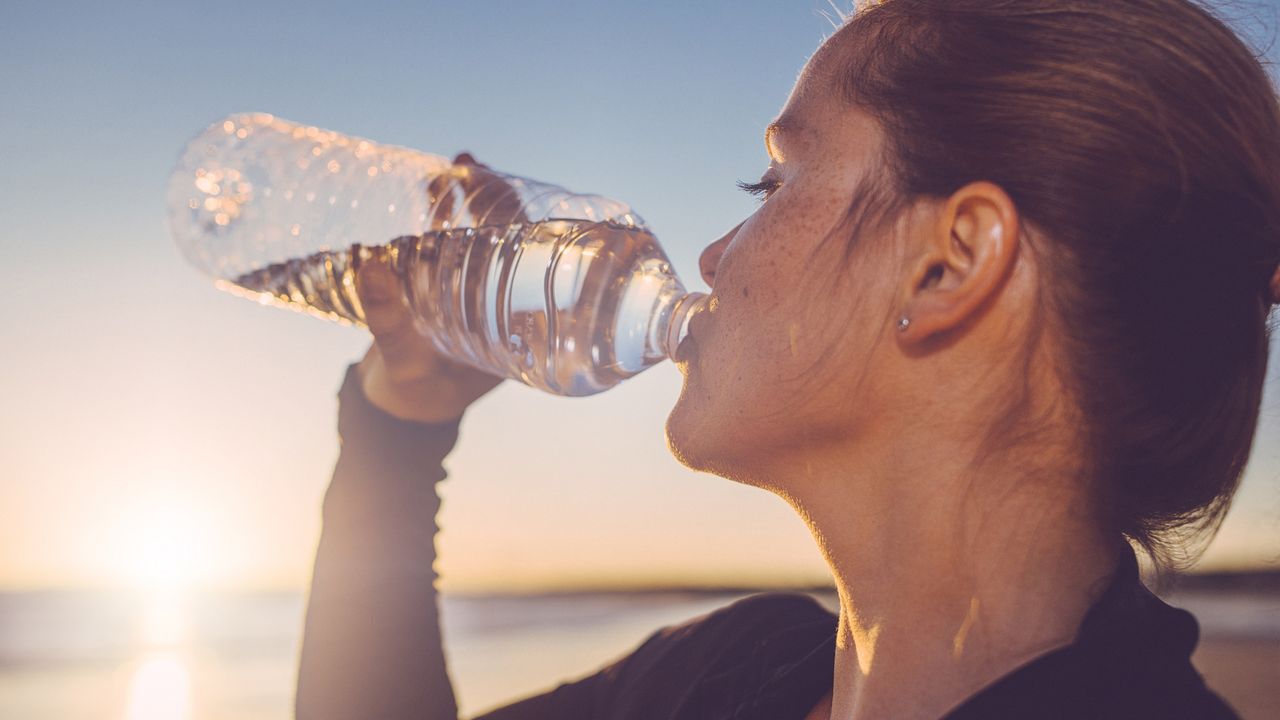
[{"x": 1143, "y": 137}]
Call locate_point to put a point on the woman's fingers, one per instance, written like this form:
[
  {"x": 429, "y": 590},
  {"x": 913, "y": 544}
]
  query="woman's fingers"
[
  {"x": 403, "y": 373},
  {"x": 490, "y": 198},
  {"x": 471, "y": 194},
  {"x": 442, "y": 196},
  {"x": 405, "y": 349},
  {"x": 447, "y": 195}
]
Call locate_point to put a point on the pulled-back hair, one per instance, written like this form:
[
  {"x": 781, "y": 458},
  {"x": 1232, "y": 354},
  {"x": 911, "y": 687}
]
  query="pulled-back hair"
[{"x": 1143, "y": 138}]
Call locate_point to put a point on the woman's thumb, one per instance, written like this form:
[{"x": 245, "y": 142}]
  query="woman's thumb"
[{"x": 385, "y": 310}]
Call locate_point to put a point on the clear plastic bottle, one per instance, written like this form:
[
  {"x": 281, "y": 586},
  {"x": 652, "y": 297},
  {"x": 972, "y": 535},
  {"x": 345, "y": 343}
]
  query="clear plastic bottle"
[{"x": 568, "y": 293}]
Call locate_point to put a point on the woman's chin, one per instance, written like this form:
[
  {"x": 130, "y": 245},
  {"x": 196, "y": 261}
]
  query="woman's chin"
[
  {"x": 682, "y": 435},
  {"x": 696, "y": 438}
]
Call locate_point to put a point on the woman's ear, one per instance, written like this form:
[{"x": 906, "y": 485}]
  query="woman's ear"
[{"x": 966, "y": 254}]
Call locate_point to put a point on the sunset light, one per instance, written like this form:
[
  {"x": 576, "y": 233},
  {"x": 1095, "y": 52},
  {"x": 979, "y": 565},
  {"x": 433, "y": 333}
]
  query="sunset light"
[
  {"x": 162, "y": 545},
  {"x": 214, "y": 510}
]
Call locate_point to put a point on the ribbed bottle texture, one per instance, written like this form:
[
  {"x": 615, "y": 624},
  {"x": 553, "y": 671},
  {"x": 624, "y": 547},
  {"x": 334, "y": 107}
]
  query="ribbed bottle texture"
[{"x": 566, "y": 292}]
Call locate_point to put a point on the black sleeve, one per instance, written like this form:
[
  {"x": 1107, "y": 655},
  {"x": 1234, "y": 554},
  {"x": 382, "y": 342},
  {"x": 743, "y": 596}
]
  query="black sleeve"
[
  {"x": 372, "y": 647},
  {"x": 718, "y": 665},
  {"x": 371, "y": 644}
]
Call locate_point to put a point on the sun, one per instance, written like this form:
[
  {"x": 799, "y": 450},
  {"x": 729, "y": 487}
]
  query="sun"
[{"x": 161, "y": 544}]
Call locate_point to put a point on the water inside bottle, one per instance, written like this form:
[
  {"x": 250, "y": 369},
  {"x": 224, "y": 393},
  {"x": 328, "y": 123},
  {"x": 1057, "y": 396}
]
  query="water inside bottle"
[{"x": 571, "y": 307}]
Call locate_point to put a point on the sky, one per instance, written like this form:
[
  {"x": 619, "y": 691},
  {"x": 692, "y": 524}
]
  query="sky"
[{"x": 152, "y": 426}]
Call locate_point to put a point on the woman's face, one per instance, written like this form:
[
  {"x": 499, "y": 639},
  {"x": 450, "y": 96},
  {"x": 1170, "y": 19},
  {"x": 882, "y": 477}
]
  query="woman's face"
[{"x": 778, "y": 364}]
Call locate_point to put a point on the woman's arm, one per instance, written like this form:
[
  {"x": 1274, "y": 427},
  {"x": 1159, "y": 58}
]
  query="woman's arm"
[{"x": 372, "y": 646}]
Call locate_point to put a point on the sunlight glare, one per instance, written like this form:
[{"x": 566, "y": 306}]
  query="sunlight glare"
[
  {"x": 160, "y": 689},
  {"x": 163, "y": 622},
  {"x": 162, "y": 546}
]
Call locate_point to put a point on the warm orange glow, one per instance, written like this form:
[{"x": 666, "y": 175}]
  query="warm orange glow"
[{"x": 161, "y": 546}]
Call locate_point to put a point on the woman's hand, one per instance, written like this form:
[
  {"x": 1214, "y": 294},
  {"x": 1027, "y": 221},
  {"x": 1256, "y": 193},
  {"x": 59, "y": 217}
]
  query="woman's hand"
[
  {"x": 402, "y": 373},
  {"x": 471, "y": 194}
]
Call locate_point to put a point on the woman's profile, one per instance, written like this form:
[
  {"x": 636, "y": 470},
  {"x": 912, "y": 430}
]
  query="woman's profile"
[{"x": 1001, "y": 317}]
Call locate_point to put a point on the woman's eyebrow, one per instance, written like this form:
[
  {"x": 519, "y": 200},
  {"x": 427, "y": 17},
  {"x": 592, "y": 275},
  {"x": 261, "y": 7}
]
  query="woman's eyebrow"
[{"x": 772, "y": 135}]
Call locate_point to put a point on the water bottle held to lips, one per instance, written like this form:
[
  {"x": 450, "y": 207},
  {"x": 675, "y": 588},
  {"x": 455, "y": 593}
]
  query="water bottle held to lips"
[{"x": 566, "y": 292}]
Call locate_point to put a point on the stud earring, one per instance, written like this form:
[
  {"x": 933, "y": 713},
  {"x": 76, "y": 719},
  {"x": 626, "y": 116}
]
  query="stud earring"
[{"x": 904, "y": 322}]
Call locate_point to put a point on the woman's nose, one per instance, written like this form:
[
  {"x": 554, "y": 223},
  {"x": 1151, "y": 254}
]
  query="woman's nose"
[{"x": 709, "y": 261}]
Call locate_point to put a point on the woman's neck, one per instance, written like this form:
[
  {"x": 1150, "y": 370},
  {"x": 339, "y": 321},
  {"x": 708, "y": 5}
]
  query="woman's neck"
[{"x": 949, "y": 577}]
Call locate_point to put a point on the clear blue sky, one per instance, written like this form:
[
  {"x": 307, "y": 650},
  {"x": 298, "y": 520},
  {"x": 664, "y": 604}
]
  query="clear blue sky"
[{"x": 138, "y": 402}]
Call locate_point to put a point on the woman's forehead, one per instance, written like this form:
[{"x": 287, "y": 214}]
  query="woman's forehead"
[
  {"x": 820, "y": 83},
  {"x": 818, "y": 114}
]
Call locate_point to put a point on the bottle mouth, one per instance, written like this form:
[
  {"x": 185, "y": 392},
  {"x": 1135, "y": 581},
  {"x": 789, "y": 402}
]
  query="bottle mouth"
[{"x": 678, "y": 324}]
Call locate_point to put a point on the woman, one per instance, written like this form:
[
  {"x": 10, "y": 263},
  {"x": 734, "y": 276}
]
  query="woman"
[{"x": 1004, "y": 307}]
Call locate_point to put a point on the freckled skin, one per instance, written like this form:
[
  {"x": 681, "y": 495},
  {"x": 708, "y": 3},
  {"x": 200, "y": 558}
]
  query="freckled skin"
[
  {"x": 776, "y": 362},
  {"x": 954, "y": 564}
]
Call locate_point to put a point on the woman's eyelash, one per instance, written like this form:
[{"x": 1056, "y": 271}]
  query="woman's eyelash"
[{"x": 762, "y": 189}]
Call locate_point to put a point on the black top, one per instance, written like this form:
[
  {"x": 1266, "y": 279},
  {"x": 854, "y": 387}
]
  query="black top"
[{"x": 372, "y": 645}]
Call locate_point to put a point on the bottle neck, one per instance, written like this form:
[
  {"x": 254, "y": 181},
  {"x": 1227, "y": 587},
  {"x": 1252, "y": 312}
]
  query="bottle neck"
[{"x": 673, "y": 321}]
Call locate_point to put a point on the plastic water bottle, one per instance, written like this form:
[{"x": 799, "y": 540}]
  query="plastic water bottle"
[{"x": 568, "y": 293}]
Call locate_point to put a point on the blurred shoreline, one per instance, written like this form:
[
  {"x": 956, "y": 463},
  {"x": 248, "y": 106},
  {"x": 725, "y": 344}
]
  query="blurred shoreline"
[
  {"x": 1260, "y": 581},
  {"x": 232, "y": 655}
]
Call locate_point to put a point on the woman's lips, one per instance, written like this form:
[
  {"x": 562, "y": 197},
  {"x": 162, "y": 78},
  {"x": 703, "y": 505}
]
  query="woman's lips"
[
  {"x": 688, "y": 346},
  {"x": 685, "y": 349}
]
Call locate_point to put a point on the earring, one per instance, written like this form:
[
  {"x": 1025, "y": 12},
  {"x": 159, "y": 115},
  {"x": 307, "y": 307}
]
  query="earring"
[{"x": 904, "y": 322}]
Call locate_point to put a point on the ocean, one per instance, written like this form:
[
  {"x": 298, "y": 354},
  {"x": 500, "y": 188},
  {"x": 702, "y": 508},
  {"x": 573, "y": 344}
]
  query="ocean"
[{"x": 118, "y": 656}]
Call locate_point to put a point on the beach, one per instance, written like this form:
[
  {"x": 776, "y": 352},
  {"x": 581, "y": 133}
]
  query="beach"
[{"x": 71, "y": 655}]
